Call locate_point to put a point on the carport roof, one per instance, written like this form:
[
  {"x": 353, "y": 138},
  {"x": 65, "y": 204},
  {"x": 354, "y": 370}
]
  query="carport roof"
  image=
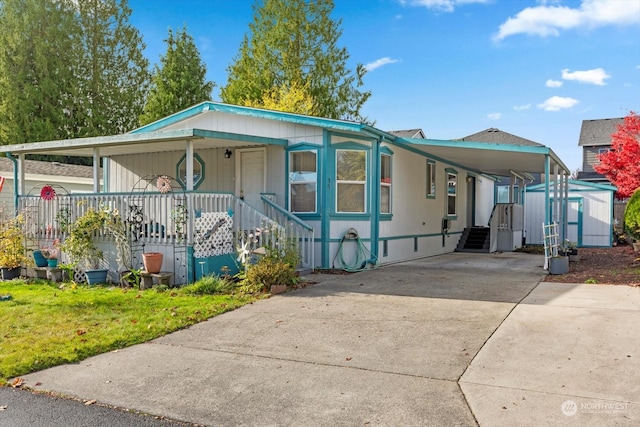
[{"x": 488, "y": 158}]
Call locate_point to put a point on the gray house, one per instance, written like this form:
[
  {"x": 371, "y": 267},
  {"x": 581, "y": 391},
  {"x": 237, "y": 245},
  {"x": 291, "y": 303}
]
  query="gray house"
[{"x": 595, "y": 138}]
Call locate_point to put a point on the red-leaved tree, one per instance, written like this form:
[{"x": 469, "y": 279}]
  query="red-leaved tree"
[{"x": 621, "y": 165}]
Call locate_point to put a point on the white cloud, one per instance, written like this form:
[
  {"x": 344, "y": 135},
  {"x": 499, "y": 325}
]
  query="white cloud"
[
  {"x": 553, "y": 83},
  {"x": 596, "y": 76},
  {"x": 379, "y": 63},
  {"x": 439, "y": 5},
  {"x": 547, "y": 20},
  {"x": 522, "y": 107},
  {"x": 557, "y": 103},
  {"x": 494, "y": 116}
]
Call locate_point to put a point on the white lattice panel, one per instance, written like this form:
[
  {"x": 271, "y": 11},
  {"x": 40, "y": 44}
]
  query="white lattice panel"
[{"x": 213, "y": 234}]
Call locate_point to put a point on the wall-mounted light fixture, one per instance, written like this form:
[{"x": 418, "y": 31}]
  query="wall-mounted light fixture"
[
  {"x": 227, "y": 153},
  {"x": 469, "y": 179}
]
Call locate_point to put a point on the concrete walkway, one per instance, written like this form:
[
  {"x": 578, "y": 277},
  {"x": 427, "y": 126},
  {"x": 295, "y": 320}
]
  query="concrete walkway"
[{"x": 418, "y": 343}]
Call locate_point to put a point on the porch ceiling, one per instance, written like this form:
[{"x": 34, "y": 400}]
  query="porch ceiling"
[
  {"x": 487, "y": 158},
  {"x": 148, "y": 142}
]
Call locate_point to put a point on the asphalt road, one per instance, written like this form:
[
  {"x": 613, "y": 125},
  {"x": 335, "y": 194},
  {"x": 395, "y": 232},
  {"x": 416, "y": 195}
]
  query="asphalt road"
[{"x": 22, "y": 408}]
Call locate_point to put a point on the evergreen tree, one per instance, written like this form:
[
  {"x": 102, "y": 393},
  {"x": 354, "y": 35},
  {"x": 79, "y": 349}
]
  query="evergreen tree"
[
  {"x": 180, "y": 80},
  {"x": 37, "y": 84},
  {"x": 112, "y": 73},
  {"x": 294, "y": 43}
]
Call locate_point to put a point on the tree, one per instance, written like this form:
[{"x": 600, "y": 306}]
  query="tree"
[
  {"x": 37, "y": 84},
  {"x": 112, "y": 73},
  {"x": 179, "y": 82},
  {"x": 621, "y": 165},
  {"x": 294, "y": 43},
  {"x": 293, "y": 99}
]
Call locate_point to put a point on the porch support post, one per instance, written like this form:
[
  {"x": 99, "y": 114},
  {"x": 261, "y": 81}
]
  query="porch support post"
[
  {"x": 21, "y": 173},
  {"x": 556, "y": 190},
  {"x": 189, "y": 161},
  {"x": 96, "y": 170},
  {"x": 547, "y": 201},
  {"x": 565, "y": 206}
]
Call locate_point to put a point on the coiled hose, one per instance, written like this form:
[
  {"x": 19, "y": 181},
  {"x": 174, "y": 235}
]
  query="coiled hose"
[{"x": 363, "y": 255}]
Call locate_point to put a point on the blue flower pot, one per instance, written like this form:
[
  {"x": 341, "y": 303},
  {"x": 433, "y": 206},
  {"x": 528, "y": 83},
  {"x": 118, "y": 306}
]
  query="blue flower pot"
[
  {"x": 52, "y": 262},
  {"x": 40, "y": 260},
  {"x": 95, "y": 277}
]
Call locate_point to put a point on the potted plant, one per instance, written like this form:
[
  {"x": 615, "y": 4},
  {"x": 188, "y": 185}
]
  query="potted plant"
[
  {"x": 51, "y": 253},
  {"x": 559, "y": 264},
  {"x": 571, "y": 249},
  {"x": 12, "y": 248},
  {"x": 80, "y": 244}
]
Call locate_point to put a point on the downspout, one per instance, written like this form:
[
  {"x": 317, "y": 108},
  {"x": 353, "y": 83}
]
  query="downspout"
[
  {"x": 375, "y": 203},
  {"x": 15, "y": 181}
]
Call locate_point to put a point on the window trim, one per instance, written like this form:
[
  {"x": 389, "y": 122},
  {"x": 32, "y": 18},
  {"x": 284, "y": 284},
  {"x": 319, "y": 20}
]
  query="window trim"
[
  {"x": 431, "y": 181},
  {"x": 196, "y": 158},
  {"x": 388, "y": 185},
  {"x": 363, "y": 183},
  {"x": 448, "y": 172},
  {"x": 290, "y": 183}
]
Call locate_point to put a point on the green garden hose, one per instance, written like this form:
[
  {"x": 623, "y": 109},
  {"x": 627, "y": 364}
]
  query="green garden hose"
[{"x": 363, "y": 255}]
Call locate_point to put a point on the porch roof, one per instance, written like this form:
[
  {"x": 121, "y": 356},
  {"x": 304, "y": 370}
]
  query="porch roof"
[
  {"x": 145, "y": 142},
  {"x": 488, "y": 158}
]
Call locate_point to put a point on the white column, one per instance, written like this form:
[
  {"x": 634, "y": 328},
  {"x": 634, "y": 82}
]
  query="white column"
[{"x": 96, "y": 170}]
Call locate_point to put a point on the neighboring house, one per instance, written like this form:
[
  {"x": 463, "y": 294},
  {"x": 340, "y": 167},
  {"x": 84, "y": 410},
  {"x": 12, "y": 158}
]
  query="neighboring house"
[
  {"x": 318, "y": 180},
  {"x": 508, "y": 188},
  {"x": 409, "y": 133},
  {"x": 595, "y": 138},
  {"x": 589, "y": 213},
  {"x": 71, "y": 178}
]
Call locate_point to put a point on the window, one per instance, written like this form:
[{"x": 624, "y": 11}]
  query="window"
[
  {"x": 198, "y": 170},
  {"x": 503, "y": 194},
  {"x": 431, "y": 179},
  {"x": 385, "y": 184},
  {"x": 452, "y": 193},
  {"x": 351, "y": 178},
  {"x": 303, "y": 178},
  {"x": 603, "y": 150}
]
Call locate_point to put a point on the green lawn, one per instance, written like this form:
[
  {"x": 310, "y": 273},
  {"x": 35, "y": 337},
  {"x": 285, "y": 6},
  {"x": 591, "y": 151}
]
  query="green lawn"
[{"x": 45, "y": 324}]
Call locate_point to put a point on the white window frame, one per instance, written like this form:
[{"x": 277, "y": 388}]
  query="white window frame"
[
  {"x": 452, "y": 176},
  {"x": 363, "y": 183},
  {"x": 431, "y": 179},
  {"x": 291, "y": 183}
]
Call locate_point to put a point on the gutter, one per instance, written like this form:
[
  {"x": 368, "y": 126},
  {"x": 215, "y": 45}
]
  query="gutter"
[{"x": 15, "y": 181}]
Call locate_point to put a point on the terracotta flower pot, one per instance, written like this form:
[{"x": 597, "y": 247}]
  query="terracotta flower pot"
[{"x": 152, "y": 262}]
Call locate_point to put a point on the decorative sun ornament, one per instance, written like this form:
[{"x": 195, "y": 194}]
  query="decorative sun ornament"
[
  {"x": 47, "y": 193},
  {"x": 164, "y": 184}
]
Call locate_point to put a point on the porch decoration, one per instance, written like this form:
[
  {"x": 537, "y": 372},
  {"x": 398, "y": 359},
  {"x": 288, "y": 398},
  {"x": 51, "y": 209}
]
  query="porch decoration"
[
  {"x": 47, "y": 193},
  {"x": 163, "y": 184},
  {"x": 152, "y": 262}
]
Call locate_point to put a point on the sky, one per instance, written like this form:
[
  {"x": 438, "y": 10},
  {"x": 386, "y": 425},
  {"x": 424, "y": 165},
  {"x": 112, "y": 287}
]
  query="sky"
[{"x": 533, "y": 68}]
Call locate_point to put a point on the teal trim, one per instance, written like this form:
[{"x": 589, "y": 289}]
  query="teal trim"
[
  {"x": 366, "y": 216},
  {"x": 106, "y": 174},
  {"x": 289, "y": 215},
  {"x": 451, "y": 170},
  {"x": 611, "y": 218},
  {"x": 386, "y": 217},
  {"x": 298, "y": 148},
  {"x": 198, "y": 159},
  {"x": 591, "y": 186},
  {"x": 376, "y": 164},
  {"x": 386, "y": 150},
  {"x": 326, "y": 193},
  {"x": 443, "y": 143},
  {"x": 547, "y": 208},
  {"x": 412, "y": 236},
  {"x": 578, "y": 223},
  {"x": 240, "y": 137},
  {"x": 349, "y": 145},
  {"x": 261, "y": 114}
]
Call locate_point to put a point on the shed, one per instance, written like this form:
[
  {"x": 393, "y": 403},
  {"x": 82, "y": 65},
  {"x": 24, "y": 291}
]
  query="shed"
[{"x": 589, "y": 213}]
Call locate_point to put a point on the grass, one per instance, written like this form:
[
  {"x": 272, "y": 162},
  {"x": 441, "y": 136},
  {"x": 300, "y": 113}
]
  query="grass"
[{"x": 46, "y": 324}]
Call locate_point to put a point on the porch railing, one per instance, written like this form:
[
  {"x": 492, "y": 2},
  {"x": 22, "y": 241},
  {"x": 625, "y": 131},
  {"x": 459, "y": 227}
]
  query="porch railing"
[{"x": 166, "y": 219}]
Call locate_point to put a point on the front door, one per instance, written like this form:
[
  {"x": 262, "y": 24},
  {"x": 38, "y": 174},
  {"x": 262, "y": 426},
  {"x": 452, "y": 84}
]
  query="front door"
[
  {"x": 251, "y": 176},
  {"x": 471, "y": 201}
]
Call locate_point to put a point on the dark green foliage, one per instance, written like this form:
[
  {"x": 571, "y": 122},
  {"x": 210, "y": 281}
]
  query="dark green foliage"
[
  {"x": 632, "y": 216},
  {"x": 294, "y": 44},
  {"x": 180, "y": 80},
  {"x": 267, "y": 272}
]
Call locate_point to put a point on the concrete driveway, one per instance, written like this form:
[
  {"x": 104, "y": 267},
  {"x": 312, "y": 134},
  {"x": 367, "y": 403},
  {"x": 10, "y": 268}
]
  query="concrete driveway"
[{"x": 418, "y": 343}]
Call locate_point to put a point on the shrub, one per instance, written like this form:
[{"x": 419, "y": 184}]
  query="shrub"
[
  {"x": 632, "y": 216},
  {"x": 210, "y": 285},
  {"x": 266, "y": 272}
]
